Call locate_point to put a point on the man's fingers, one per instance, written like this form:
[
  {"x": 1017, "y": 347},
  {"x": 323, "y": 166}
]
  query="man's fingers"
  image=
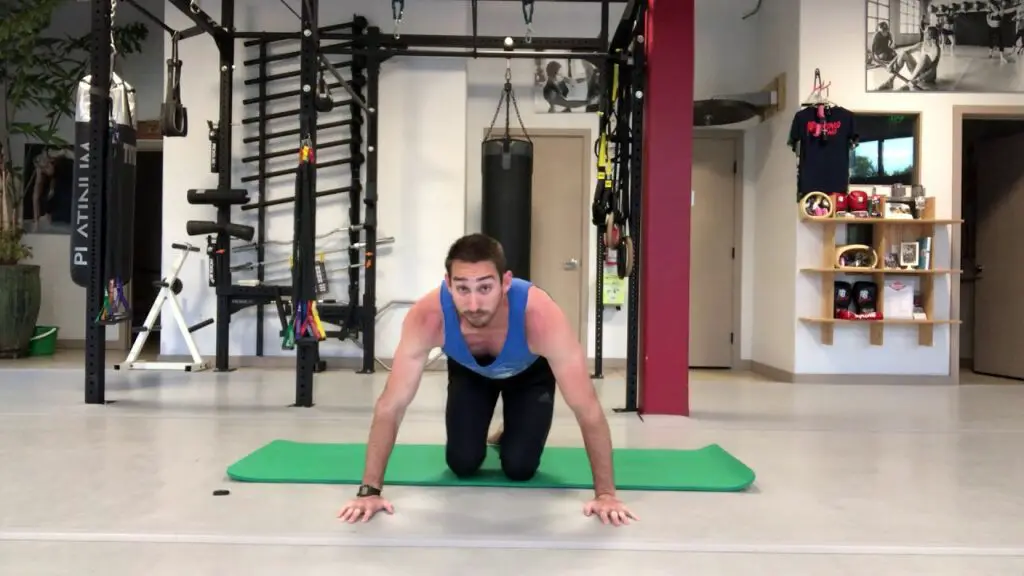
[{"x": 390, "y": 508}]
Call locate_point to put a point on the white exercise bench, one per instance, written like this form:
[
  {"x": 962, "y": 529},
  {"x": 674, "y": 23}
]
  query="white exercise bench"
[{"x": 169, "y": 287}]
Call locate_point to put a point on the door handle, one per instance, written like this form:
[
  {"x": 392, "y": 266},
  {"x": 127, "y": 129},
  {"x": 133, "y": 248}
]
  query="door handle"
[{"x": 571, "y": 264}]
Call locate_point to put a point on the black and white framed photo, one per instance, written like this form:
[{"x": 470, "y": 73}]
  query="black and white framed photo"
[
  {"x": 944, "y": 45},
  {"x": 566, "y": 85},
  {"x": 47, "y": 187},
  {"x": 910, "y": 255}
]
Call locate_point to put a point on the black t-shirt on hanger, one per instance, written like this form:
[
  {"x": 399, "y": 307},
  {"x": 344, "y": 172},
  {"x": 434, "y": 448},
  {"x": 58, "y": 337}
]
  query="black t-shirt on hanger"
[{"x": 824, "y": 164}]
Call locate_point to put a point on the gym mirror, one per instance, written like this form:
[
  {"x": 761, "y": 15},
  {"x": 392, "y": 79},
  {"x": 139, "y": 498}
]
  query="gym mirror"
[{"x": 888, "y": 149}]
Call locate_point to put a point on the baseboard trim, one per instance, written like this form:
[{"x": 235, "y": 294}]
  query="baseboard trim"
[
  {"x": 79, "y": 344},
  {"x": 344, "y": 363},
  {"x": 779, "y": 375}
]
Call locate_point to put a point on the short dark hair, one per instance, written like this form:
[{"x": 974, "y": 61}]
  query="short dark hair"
[{"x": 474, "y": 248}]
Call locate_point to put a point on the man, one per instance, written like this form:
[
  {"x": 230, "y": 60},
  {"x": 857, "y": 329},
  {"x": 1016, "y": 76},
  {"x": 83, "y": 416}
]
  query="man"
[
  {"x": 882, "y": 44},
  {"x": 504, "y": 337}
]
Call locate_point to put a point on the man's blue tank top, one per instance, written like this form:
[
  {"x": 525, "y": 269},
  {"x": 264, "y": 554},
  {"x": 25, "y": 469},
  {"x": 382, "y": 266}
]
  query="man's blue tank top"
[{"x": 515, "y": 356}]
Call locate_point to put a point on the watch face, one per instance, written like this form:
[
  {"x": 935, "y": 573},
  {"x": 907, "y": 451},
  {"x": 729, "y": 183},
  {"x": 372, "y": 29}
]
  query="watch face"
[{"x": 368, "y": 491}]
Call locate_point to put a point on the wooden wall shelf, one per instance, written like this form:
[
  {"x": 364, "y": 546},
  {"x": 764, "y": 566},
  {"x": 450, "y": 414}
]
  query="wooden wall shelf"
[
  {"x": 887, "y": 233},
  {"x": 885, "y": 271}
]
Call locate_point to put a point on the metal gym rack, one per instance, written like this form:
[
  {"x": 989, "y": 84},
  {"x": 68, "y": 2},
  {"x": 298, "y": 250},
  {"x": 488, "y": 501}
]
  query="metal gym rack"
[{"x": 369, "y": 49}]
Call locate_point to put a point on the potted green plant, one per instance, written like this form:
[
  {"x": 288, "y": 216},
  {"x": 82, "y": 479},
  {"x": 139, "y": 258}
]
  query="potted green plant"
[{"x": 39, "y": 74}]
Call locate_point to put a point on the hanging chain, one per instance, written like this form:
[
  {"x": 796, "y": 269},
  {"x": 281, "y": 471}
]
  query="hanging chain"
[
  {"x": 508, "y": 95},
  {"x": 113, "y": 44}
]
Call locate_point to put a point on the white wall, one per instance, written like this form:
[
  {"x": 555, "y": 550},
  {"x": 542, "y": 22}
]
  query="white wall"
[
  {"x": 421, "y": 172},
  {"x": 841, "y": 62},
  {"x": 63, "y": 303},
  {"x": 769, "y": 215},
  {"x": 432, "y": 115},
  {"x": 724, "y": 66}
]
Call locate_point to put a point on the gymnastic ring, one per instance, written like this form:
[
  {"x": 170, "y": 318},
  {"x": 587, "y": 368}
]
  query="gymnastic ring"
[
  {"x": 611, "y": 232},
  {"x": 845, "y": 251},
  {"x": 817, "y": 206}
]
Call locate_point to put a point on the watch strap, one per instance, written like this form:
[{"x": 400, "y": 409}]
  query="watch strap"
[{"x": 365, "y": 491}]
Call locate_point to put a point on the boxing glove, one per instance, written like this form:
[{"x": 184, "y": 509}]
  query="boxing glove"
[{"x": 839, "y": 200}]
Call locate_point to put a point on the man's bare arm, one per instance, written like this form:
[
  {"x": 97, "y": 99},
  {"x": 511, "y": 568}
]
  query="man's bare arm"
[
  {"x": 551, "y": 336},
  {"x": 419, "y": 332}
]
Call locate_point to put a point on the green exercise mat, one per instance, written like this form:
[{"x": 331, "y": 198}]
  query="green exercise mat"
[{"x": 709, "y": 469}]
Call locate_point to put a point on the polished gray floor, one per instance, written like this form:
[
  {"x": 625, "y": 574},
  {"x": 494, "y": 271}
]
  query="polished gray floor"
[{"x": 851, "y": 480}]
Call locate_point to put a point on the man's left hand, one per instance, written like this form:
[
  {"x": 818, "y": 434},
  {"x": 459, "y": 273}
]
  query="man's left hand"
[{"x": 610, "y": 510}]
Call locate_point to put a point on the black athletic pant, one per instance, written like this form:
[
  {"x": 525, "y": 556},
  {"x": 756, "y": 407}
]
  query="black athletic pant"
[
  {"x": 528, "y": 399},
  {"x": 995, "y": 38}
]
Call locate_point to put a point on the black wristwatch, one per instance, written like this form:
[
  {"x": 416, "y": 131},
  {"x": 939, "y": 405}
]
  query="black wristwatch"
[{"x": 365, "y": 491}]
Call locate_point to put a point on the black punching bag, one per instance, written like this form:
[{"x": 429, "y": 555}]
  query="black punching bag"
[
  {"x": 507, "y": 202},
  {"x": 117, "y": 193}
]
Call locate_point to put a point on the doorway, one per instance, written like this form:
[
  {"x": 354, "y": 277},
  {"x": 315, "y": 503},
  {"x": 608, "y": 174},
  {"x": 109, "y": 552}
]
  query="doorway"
[
  {"x": 148, "y": 243},
  {"x": 990, "y": 249},
  {"x": 714, "y": 269},
  {"x": 560, "y": 245}
]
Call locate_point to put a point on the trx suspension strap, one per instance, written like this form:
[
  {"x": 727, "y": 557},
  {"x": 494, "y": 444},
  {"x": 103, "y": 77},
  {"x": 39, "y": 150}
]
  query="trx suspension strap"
[
  {"x": 173, "y": 115},
  {"x": 605, "y": 203}
]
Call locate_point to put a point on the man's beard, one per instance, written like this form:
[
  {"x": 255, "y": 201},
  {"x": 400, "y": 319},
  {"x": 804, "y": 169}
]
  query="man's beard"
[
  {"x": 478, "y": 319},
  {"x": 482, "y": 319}
]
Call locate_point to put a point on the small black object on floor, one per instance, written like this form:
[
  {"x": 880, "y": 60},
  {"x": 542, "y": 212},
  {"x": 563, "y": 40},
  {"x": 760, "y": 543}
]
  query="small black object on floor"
[{"x": 221, "y": 492}]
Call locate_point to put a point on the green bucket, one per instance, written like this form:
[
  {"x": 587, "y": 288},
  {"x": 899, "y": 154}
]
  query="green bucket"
[{"x": 44, "y": 342}]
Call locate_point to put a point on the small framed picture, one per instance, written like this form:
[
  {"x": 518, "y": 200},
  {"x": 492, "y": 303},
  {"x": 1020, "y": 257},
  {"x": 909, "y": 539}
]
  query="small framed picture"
[{"x": 909, "y": 254}]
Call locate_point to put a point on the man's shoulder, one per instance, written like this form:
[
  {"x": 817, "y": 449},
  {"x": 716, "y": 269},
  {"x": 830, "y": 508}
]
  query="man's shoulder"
[
  {"x": 541, "y": 311},
  {"x": 426, "y": 315}
]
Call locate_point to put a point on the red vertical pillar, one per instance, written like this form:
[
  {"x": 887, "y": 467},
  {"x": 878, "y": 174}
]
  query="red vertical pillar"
[{"x": 665, "y": 235}]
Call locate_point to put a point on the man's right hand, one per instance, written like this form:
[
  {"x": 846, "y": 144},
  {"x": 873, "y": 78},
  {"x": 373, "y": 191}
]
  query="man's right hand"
[{"x": 364, "y": 509}]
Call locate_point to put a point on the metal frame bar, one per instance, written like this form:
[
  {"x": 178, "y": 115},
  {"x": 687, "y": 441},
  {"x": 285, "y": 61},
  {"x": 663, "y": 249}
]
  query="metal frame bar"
[
  {"x": 638, "y": 91},
  {"x": 221, "y": 33},
  {"x": 223, "y": 241},
  {"x": 156, "y": 19},
  {"x": 261, "y": 195},
  {"x": 99, "y": 138},
  {"x": 369, "y": 49},
  {"x": 372, "y": 64},
  {"x": 307, "y": 349}
]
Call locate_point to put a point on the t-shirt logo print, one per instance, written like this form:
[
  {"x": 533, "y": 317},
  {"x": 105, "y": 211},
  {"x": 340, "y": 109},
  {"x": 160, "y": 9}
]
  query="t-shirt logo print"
[{"x": 829, "y": 128}]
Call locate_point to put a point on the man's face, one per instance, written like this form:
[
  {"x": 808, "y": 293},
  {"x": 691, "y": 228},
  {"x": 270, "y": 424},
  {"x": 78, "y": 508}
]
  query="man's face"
[{"x": 477, "y": 291}]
